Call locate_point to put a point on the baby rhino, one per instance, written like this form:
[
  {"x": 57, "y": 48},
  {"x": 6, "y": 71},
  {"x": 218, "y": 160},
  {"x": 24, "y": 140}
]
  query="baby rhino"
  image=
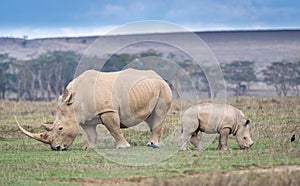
[{"x": 215, "y": 118}]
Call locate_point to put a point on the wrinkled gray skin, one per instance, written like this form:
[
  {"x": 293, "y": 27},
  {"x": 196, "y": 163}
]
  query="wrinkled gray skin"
[
  {"x": 209, "y": 118},
  {"x": 116, "y": 100}
]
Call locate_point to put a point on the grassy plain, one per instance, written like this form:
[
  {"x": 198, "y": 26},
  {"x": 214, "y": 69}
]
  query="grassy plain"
[{"x": 273, "y": 160}]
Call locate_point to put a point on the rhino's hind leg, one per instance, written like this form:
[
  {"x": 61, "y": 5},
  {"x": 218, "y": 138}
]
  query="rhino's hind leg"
[
  {"x": 188, "y": 136},
  {"x": 195, "y": 139},
  {"x": 155, "y": 124},
  {"x": 111, "y": 121},
  {"x": 185, "y": 138},
  {"x": 190, "y": 130}
]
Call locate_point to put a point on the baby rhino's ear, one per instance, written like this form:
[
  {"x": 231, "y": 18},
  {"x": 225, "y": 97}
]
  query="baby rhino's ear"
[{"x": 247, "y": 122}]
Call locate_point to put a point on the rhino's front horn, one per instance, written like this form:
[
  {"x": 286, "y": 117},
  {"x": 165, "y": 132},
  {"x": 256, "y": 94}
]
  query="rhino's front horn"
[{"x": 39, "y": 137}]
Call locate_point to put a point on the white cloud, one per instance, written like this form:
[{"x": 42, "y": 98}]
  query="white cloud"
[
  {"x": 131, "y": 28},
  {"x": 33, "y": 33}
]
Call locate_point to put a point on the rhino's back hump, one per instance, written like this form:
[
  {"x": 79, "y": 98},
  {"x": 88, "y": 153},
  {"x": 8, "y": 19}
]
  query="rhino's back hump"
[
  {"x": 214, "y": 117},
  {"x": 140, "y": 93}
]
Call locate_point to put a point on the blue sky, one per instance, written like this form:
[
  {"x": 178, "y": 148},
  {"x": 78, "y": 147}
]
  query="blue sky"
[{"x": 51, "y": 18}]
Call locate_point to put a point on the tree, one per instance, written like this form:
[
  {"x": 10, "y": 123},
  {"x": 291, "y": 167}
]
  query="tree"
[
  {"x": 295, "y": 81},
  {"x": 44, "y": 77},
  {"x": 5, "y": 64},
  {"x": 283, "y": 76},
  {"x": 216, "y": 84},
  {"x": 117, "y": 62},
  {"x": 54, "y": 71},
  {"x": 239, "y": 73},
  {"x": 19, "y": 80}
]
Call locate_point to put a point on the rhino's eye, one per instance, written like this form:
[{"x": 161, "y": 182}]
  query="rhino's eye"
[
  {"x": 60, "y": 128},
  {"x": 245, "y": 138}
]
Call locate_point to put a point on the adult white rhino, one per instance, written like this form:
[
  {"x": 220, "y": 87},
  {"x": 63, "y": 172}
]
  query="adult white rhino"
[{"x": 115, "y": 99}]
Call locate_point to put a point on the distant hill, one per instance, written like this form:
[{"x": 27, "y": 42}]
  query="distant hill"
[
  {"x": 263, "y": 46},
  {"x": 258, "y": 46},
  {"x": 29, "y": 49}
]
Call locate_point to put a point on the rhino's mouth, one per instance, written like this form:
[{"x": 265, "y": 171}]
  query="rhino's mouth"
[{"x": 245, "y": 147}]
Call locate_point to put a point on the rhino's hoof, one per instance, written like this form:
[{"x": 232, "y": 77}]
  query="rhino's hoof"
[
  {"x": 123, "y": 146},
  {"x": 152, "y": 145},
  {"x": 226, "y": 148},
  {"x": 183, "y": 149}
]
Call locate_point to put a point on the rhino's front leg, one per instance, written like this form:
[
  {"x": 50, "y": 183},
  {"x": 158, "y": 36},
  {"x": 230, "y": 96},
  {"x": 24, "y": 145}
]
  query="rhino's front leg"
[
  {"x": 223, "y": 139},
  {"x": 111, "y": 121},
  {"x": 92, "y": 136}
]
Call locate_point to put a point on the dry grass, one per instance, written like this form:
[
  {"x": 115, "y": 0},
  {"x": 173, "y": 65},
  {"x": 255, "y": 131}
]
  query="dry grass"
[{"x": 251, "y": 178}]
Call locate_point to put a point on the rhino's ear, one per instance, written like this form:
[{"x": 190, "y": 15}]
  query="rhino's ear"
[
  {"x": 68, "y": 98},
  {"x": 248, "y": 121}
]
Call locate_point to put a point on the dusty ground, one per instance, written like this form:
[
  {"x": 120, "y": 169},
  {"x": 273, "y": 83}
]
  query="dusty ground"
[{"x": 240, "y": 177}]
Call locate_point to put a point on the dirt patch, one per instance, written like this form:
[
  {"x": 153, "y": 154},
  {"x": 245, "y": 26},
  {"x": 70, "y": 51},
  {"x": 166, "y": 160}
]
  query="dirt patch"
[
  {"x": 114, "y": 181},
  {"x": 268, "y": 170},
  {"x": 283, "y": 175}
]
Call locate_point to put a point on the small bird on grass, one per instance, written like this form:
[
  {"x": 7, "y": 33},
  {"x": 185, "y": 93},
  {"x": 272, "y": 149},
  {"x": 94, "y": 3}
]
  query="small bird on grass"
[
  {"x": 293, "y": 138},
  {"x": 152, "y": 145}
]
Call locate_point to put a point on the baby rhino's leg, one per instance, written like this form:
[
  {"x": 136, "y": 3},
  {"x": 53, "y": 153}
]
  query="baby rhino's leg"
[
  {"x": 188, "y": 129},
  {"x": 190, "y": 124},
  {"x": 223, "y": 139},
  {"x": 195, "y": 139}
]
